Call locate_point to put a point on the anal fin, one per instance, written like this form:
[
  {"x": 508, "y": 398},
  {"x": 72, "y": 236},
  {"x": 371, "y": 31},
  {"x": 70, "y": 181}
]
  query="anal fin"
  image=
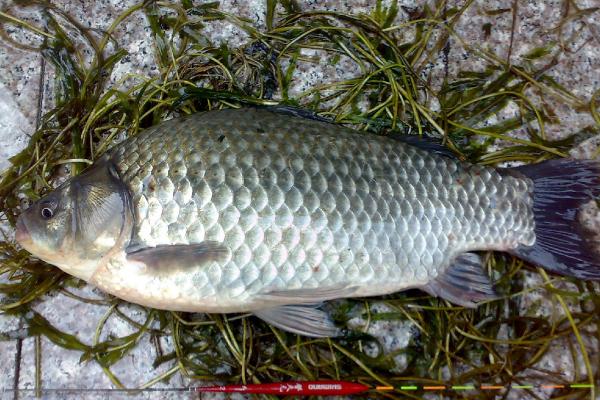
[{"x": 464, "y": 282}]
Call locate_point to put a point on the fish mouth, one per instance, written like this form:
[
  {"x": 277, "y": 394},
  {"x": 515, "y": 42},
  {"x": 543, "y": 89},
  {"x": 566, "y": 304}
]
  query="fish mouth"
[{"x": 22, "y": 234}]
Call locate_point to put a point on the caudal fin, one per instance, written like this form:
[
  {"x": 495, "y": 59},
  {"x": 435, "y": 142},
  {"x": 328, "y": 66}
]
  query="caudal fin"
[{"x": 562, "y": 244}]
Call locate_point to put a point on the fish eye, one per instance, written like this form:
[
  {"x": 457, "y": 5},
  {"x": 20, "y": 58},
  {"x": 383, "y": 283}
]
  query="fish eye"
[{"x": 47, "y": 213}]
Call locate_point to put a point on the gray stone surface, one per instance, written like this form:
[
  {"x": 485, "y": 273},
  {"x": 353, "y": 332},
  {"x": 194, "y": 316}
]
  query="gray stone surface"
[
  {"x": 8, "y": 349},
  {"x": 576, "y": 68},
  {"x": 7, "y": 360},
  {"x": 16, "y": 128},
  {"x": 573, "y": 63}
]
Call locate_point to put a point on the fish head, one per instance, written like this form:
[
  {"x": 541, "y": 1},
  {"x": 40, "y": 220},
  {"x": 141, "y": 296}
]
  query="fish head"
[
  {"x": 42, "y": 228},
  {"x": 79, "y": 223}
]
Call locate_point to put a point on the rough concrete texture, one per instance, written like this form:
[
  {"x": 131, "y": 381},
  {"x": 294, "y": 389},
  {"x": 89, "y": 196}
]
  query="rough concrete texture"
[{"x": 575, "y": 66}]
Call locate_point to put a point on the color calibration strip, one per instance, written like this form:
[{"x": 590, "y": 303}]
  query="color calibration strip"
[
  {"x": 483, "y": 387},
  {"x": 316, "y": 388}
]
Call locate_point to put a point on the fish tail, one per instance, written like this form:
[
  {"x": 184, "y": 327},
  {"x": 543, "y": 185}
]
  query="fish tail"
[{"x": 563, "y": 245}]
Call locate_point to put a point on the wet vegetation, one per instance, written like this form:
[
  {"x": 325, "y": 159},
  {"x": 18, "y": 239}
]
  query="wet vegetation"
[{"x": 499, "y": 343}]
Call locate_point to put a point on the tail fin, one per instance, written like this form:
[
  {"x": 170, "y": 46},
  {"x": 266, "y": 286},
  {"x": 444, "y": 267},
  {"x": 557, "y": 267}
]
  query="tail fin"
[{"x": 562, "y": 244}]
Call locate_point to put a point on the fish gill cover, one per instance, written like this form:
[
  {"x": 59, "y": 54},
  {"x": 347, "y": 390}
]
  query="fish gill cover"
[{"x": 385, "y": 61}]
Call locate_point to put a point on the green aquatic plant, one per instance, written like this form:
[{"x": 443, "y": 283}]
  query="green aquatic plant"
[{"x": 498, "y": 343}]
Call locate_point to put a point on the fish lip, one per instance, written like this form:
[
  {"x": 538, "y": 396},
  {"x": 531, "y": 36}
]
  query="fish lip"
[{"x": 22, "y": 234}]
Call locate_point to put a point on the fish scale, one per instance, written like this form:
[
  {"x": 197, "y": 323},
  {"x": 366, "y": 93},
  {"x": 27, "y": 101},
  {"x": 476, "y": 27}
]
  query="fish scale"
[{"x": 305, "y": 204}]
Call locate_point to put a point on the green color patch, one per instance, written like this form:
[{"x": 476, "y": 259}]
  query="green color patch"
[{"x": 409, "y": 387}]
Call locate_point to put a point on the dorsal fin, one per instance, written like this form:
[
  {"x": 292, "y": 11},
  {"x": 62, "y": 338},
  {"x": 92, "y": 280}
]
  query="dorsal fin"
[
  {"x": 296, "y": 112},
  {"x": 423, "y": 142}
]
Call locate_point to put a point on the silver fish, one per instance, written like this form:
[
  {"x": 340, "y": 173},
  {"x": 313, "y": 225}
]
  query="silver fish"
[{"x": 262, "y": 211}]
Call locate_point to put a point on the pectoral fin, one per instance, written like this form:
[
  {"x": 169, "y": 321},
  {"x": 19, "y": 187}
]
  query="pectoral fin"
[
  {"x": 464, "y": 282},
  {"x": 303, "y": 319},
  {"x": 168, "y": 258}
]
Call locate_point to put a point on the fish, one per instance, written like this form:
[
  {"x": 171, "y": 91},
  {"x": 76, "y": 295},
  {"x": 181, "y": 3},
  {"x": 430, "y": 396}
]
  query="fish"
[{"x": 274, "y": 211}]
